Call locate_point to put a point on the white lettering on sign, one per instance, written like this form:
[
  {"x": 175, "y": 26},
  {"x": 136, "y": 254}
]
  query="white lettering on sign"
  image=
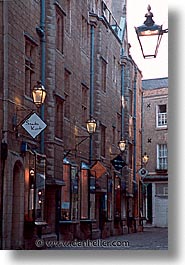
[{"x": 34, "y": 125}]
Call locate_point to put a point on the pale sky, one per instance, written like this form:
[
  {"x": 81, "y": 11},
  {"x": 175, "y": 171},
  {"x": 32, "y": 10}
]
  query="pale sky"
[{"x": 136, "y": 10}]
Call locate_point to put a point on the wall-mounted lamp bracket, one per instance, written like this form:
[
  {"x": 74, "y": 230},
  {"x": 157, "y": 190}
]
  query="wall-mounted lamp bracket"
[
  {"x": 76, "y": 145},
  {"x": 14, "y": 119}
]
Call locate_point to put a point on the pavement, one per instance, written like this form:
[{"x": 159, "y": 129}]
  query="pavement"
[{"x": 151, "y": 238}]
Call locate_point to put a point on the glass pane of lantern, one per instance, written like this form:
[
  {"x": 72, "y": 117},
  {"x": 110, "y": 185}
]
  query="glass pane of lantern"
[
  {"x": 149, "y": 44},
  {"x": 91, "y": 126},
  {"x": 39, "y": 95}
]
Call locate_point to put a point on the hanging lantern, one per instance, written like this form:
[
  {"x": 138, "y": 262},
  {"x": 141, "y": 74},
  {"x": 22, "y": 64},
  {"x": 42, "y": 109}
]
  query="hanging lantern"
[
  {"x": 39, "y": 94},
  {"x": 149, "y": 35}
]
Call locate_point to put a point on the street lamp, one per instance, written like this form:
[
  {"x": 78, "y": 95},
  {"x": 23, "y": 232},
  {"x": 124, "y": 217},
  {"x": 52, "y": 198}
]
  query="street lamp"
[
  {"x": 91, "y": 126},
  {"x": 145, "y": 158},
  {"x": 149, "y": 29},
  {"x": 39, "y": 94},
  {"x": 121, "y": 145}
]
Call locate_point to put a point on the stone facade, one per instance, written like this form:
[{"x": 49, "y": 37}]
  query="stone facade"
[
  {"x": 72, "y": 31},
  {"x": 155, "y": 126}
]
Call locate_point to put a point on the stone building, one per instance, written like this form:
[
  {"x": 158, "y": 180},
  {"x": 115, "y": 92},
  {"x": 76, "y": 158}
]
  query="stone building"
[
  {"x": 155, "y": 144},
  {"x": 62, "y": 184}
]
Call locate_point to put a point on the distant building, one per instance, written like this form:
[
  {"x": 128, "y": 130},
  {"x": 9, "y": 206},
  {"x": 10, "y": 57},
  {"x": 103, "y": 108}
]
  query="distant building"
[{"x": 155, "y": 144}]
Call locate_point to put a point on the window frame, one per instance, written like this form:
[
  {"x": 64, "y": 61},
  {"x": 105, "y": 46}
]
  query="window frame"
[
  {"x": 109, "y": 198},
  {"x": 60, "y": 26},
  {"x": 85, "y": 33},
  {"x": 161, "y": 187},
  {"x": 84, "y": 212},
  {"x": 68, "y": 17},
  {"x": 103, "y": 74},
  {"x": 160, "y": 166},
  {"x": 35, "y": 185},
  {"x": 161, "y": 116},
  {"x": 103, "y": 140},
  {"x": 30, "y": 65},
  {"x": 84, "y": 104},
  {"x": 71, "y": 179},
  {"x": 59, "y": 118},
  {"x": 67, "y": 81}
]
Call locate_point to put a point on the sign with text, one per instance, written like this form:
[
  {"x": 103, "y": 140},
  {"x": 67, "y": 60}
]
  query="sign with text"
[
  {"x": 118, "y": 162},
  {"x": 34, "y": 125}
]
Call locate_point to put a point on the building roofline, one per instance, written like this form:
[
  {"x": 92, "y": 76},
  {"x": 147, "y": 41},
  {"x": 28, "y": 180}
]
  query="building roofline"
[{"x": 155, "y": 83}]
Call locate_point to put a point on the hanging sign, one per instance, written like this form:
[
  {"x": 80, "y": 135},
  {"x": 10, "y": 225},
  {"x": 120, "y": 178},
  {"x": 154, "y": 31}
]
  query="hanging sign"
[
  {"x": 143, "y": 172},
  {"x": 118, "y": 162},
  {"x": 34, "y": 125}
]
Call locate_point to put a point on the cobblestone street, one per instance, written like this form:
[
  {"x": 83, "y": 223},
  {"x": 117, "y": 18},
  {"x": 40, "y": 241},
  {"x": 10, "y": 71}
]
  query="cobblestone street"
[{"x": 150, "y": 239}]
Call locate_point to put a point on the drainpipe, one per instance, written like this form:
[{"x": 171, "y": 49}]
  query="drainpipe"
[
  {"x": 41, "y": 32},
  {"x": 122, "y": 125},
  {"x": 135, "y": 83},
  {"x": 142, "y": 126},
  {"x": 122, "y": 94},
  {"x": 91, "y": 90}
]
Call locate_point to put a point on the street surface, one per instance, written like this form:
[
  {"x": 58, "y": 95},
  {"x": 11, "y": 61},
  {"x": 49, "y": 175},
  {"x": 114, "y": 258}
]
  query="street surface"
[{"x": 150, "y": 239}]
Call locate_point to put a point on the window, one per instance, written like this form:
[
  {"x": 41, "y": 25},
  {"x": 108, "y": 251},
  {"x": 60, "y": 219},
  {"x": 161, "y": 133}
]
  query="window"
[
  {"x": 29, "y": 188},
  {"x": 74, "y": 193},
  {"x": 84, "y": 104},
  {"x": 40, "y": 162},
  {"x": 131, "y": 127},
  {"x": 59, "y": 30},
  {"x": 114, "y": 70},
  {"x": 118, "y": 127},
  {"x": 66, "y": 94},
  {"x": 161, "y": 116},
  {"x": 84, "y": 194},
  {"x": 117, "y": 198},
  {"x": 109, "y": 198},
  {"x": 162, "y": 157},
  {"x": 130, "y": 102},
  {"x": 130, "y": 148},
  {"x": 113, "y": 134},
  {"x": 69, "y": 196},
  {"x": 30, "y": 57},
  {"x": 35, "y": 187},
  {"x": 85, "y": 35},
  {"x": 68, "y": 16},
  {"x": 103, "y": 74},
  {"x": 59, "y": 118},
  {"x": 103, "y": 139},
  {"x": 92, "y": 197},
  {"x": 161, "y": 189},
  {"x": 65, "y": 196}
]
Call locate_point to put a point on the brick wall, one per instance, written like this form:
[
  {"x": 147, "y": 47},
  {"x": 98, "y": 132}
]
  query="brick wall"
[{"x": 152, "y": 98}]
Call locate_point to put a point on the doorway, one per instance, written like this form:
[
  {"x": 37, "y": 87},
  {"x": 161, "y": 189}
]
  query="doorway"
[{"x": 17, "y": 207}]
